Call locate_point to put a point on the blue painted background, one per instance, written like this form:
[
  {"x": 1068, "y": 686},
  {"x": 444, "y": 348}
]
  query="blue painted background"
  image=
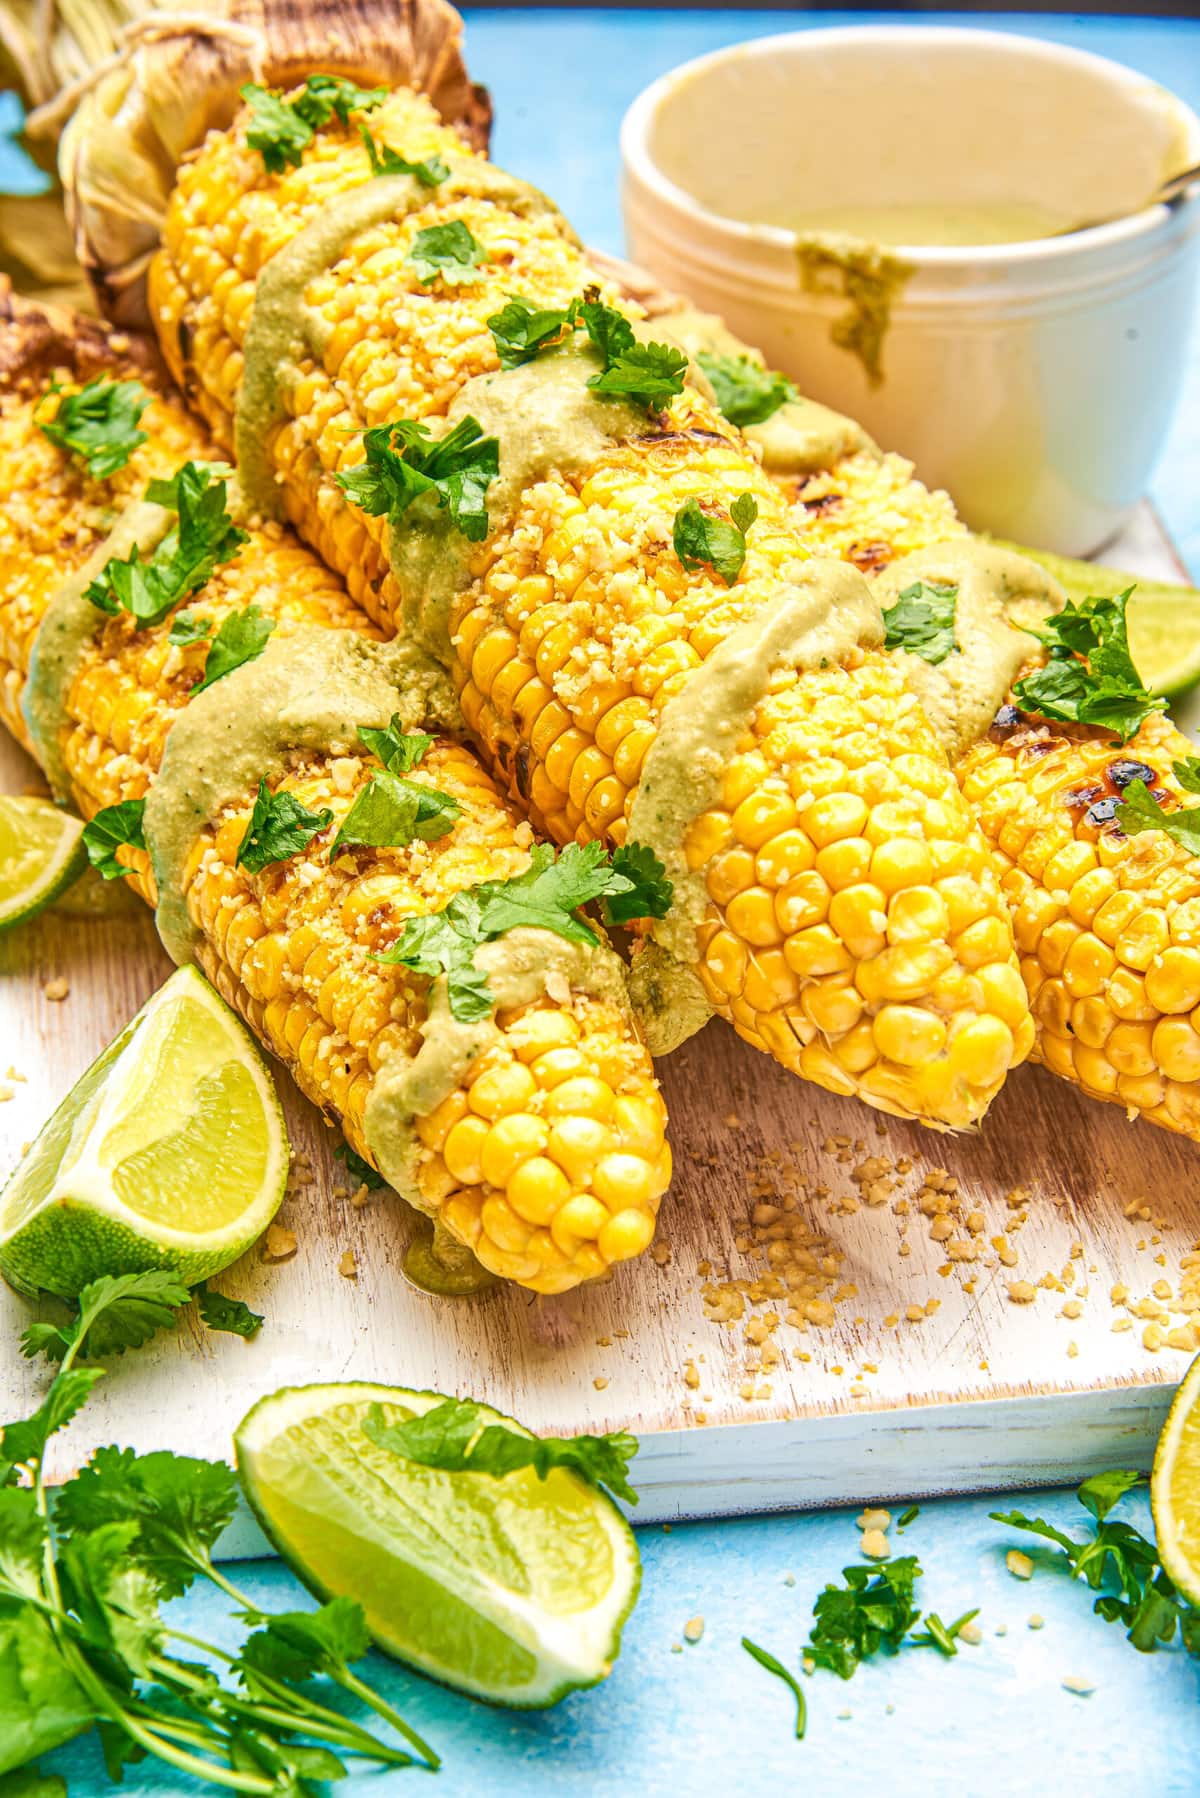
[{"x": 707, "y": 1720}]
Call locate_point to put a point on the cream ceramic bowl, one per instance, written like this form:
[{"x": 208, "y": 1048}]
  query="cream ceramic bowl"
[{"x": 1036, "y": 381}]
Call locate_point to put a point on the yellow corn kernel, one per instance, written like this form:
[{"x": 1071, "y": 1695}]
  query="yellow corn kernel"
[
  {"x": 903, "y": 862},
  {"x": 981, "y": 1050},
  {"x": 537, "y": 1189},
  {"x": 462, "y": 1149},
  {"x": 501, "y": 1223},
  {"x": 751, "y": 916},
  {"x": 501, "y": 1090},
  {"x": 1003, "y": 991},
  {"x": 627, "y": 1234},
  {"x": 859, "y": 917},
  {"x": 845, "y": 863},
  {"x": 1173, "y": 980},
  {"x": 1130, "y": 1048},
  {"x": 729, "y": 875},
  {"x": 583, "y": 1095},
  {"x": 580, "y": 1218},
  {"x": 802, "y": 902},
  {"x": 512, "y": 1140},
  {"x": 623, "y": 1180},
  {"x": 836, "y": 815},
  {"x": 1177, "y": 1049},
  {"x": 833, "y": 1006},
  {"x": 816, "y": 951},
  {"x": 578, "y": 1142},
  {"x": 436, "y": 1125},
  {"x": 707, "y": 836},
  {"x": 780, "y": 860},
  {"x": 908, "y": 1034}
]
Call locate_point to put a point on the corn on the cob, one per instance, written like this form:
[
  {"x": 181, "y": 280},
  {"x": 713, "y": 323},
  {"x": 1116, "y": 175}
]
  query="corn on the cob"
[
  {"x": 854, "y": 927},
  {"x": 548, "y": 1159}
]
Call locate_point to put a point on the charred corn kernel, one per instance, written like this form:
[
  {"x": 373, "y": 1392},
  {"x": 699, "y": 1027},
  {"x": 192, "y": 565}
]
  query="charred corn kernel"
[
  {"x": 538, "y": 1190},
  {"x": 909, "y": 1035},
  {"x": 511, "y": 1141}
]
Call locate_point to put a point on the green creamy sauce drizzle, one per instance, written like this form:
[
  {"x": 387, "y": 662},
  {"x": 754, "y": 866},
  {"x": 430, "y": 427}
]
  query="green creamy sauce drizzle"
[
  {"x": 283, "y": 330},
  {"x": 68, "y": 626},
  {"x": 868, "y": 278},
  {"x": 825, "y": 613},
  {"x": 1001, "y": 597},
  {"x": 438, "y": 1263},
  {"x": 520, "y": 967},
  {"x": 309, "y": 690}
]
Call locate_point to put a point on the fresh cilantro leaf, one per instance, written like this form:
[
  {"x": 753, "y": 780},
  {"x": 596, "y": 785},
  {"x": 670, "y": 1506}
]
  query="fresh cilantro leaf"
[
  {"x": 648, "y": 893},
  {"x": 283, "y": 129},
  {"x": 25, "y": 1441},
  {"x": 31, "y": 1782},
  {"x": 204, "y": 538},
  {"x": 608, "y": 329},
  {"x": 295, "y": 1645},
  {"x": 872, "y": 1610},
  {"x": 1100, "y": 1493},
  {"x": 454, "y": 1437},
  {"x": 1187, "y": 773},
  {"x": 404, "y": 461},
  {"x": 41, "y": 1704},
  {"x": 647, "y": 373},
  {"x": 1036, "y": 1526},
  {"x": 922, "y": 621},
  {"x": 114, "y": 1597},
  {"x": 746, "y": 393},
  {"x": 521, "y": 329},
  {"x": 241, "y": 638},
  {"x": 702, "y": 541},
  {"x": 188, "y": 627},
  {"x": 234, "y": 1316},
  {"x": 1090, "y": 677},
  {"x": 291, "y": 1765},
  {"x": 386, "y": 161},
  {"x": 1140, "y": 810},
  {"x": 942, "y": 1636},
  {"x": 114, "y": 1313},
  {"x": 99, "y": 424},
  {"x": 767, "y": 1660},
  {"x": 399, "y": 750},
  {"x": 114, "y": 827},
  {"x": 22, "y": 1541},
  {"x": 390, "y": 812},
  {"x": 447, "y": 253},
  {"x": 357, "y": 1168},
  {"x": 280, "y": 827},
  {"x": 180, "y": 1506}
]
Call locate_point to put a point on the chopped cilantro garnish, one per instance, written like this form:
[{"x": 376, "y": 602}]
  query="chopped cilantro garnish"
[
  {"x": 241, "y": 638},
  {"x": 404, "y": 461},
  {"x": 447, "y": 253},
  {"x": 386, "y": 161},
  {"x": 99, "y": 424},
  {"x": 647, "y": 373},
  {"x": 220, "y": 1312},
  {"x": 649, "y": 892},
  {"x": 1187, "y": 773},
  {"x": 747, "y": 393},
  {"x": 188, "y": 627},
  {"x": 908, "y": 1516},
  {"x": 767, "y": 1660},
  {"x": 398, "y": 749},
  {"x": 283, "y": 129},
  {"x": 357, "y": 1168},
  {"x": 280, "y": 827},
  {"x": 111, "y": 828},
  {"x": 204, "y": 538},
  {"x": 1140, "y": 810},
  {"x": 456, "y": 1437},
  {"x": 1090, "y": 677},
  {"x": 520, "y": 329},
  {"x": 922, "y": 621},
  {"x": 873, "y": 1610},
  {"x": 546, "y": 897},
  {"x": 702, "y": 541},
  {"x": 390, "y": 812}
]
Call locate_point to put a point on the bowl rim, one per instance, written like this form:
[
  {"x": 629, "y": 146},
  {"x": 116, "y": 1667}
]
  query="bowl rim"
[{"x": 639, "y": 163}]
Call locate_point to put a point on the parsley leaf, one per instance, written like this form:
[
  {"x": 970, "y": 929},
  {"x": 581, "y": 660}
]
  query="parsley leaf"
[
  {"x": 873, "y": 1610},
  {"x": 1140, "y": 810},
  {"x": 114, "y": 1313},
  {"x": 109, "y": 830},
  {"x": 646, "y": 373},
  {"x": 455, "y": 1437},
  {"x": 398, "y": 749},
  {"x": 204, "y": 537},
  {"x": 241, "y": 638},
  {"x": 1090, "y": 677},
  {"x": 702, "y": 541},
  {"x": 768, "y": 1661},
  {"x": 448, "y": 253},
  {"x": 280, "y": 827},
  {"x": 220, "y": 1312},
  {"x": 357, "y": 1168},
  {"x": 283, "y": 129},
  {"x": 390, "y": 812},
  {"x": 99, "y": 424},
  {"x": 386, "y": 161},
  {"x": 647, "y": 894},
  {"x": 188, "y": 627},
  {"x": 746, "y": 393},
  {"x": 520, "y": 329},
  {"x": 1187, "y": 773},
  {"x": 404, "y": 461},
  {"x": 922, "y": 621}
]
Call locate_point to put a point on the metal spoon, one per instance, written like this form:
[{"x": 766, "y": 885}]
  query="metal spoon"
[{"x": 1172, "y": 189}]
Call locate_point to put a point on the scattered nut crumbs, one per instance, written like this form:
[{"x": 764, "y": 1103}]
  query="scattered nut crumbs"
[
  {"x": 970, "y": 1632},
  {"x": 1036, "y": 1620},
  {"x": 1018, "y": 1564},
  {"x": 56, "y": 990},
  {"x": 875, "y": 1545},
  {"x": 347, "y": 1264},
  {"x": 599, "y": 1382},
  {"x": 873, "y": 1519},
  {"x": 279, "y": 1243},
  {"x": 1022, "y": 1292},
  {"x": 1083, "y": 1688},
  {"x": 693, "y": 1629}
]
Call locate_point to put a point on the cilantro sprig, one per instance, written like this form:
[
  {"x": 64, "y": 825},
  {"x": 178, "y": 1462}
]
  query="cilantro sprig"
[
  {"x": 188, "y": 627},
  {"x": 83, "y": 1642},
  {"x": 390, "y": 812},
  {"x": 646, "y": 373},
  {"x": 386, "y": 161},
  {"x": 546, "y": 897},
  {"x": 241, "y": 638},
  {"x": 1090, "y": 677},
  {"x": 1140, "y": 810},
  {"x": 98, "y": 424},
  {"x": 455, "y": 1437},
  {"x": 204, "y": 538},
  {"x": 922, "y": 621},
  {"x": 447, "y": 253},
  {"x": 404, "y": 462},
  {"x": 283, "y": 129},
  {"x": 232, "y": 1316},
  {"x": 280, "y": 826},
  {"x": 746, "y": 393},
  {"x": 704, "y": 541},
  {"x": 116, "y": 826},
  {"x": 398, "y": 749}
]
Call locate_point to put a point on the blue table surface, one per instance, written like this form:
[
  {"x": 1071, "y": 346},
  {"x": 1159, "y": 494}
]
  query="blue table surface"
[{"x": 998, "y": 1718}]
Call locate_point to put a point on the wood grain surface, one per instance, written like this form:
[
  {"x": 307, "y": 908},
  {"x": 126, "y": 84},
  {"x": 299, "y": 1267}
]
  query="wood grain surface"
[{"x": 861, "y": 1395}]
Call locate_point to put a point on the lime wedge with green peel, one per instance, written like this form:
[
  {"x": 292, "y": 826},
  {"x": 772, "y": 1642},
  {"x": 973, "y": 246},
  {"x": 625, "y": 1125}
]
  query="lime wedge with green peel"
[
  {"x": 1164, "y": 620},
  {"x": 169, "y": 1152},
  {"x": 513, "y": 1590},
  {"x": 1175, "y": 1488},
  {"x": 41, "y": 855}
]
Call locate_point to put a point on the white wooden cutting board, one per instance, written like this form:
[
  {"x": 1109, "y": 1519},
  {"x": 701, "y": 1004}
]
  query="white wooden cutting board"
[{"x": 980, "y": 1392}]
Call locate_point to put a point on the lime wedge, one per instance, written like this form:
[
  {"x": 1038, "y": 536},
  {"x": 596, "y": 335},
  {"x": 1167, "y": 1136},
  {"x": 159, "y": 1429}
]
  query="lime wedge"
[
  {"x": 41, "y": 855},
  {"x": 1175, "y": 1487},
  {"x": 512, "y": 1590},
  {"x": 169, "y": 1152},
  {"x": 1164, "y": 620}
]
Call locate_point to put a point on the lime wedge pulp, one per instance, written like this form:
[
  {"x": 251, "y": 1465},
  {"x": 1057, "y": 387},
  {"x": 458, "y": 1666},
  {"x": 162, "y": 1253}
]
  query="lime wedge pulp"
[
  {"x": 513, "y": 1590},
  {"x": 1175, "y": 1487},
  {"x": 169, "y": 1152},
  {"x": 41, "y": 855}
]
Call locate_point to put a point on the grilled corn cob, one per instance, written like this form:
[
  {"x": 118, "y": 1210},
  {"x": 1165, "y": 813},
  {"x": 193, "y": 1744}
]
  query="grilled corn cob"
[
  {"x": 548, "y": 1159},
  {"x": 849, "y": 922}
]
